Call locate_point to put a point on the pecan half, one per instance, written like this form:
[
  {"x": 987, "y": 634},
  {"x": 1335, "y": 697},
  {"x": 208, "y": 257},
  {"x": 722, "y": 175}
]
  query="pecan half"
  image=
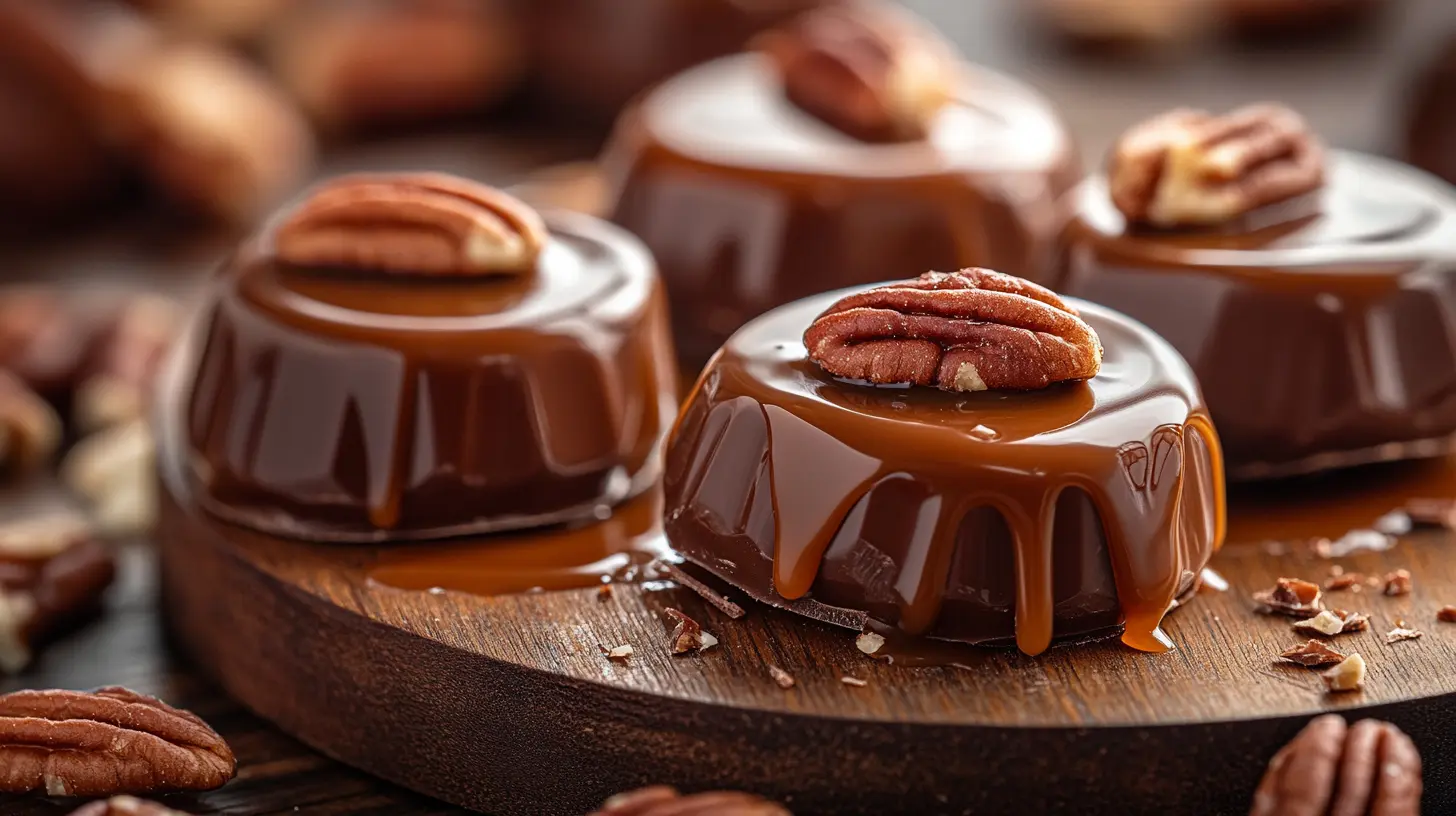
[
  {"x": 105, "y": 742},
  {"x": 53, "y": 572},
  {"x": 661, "y": 800},
  {"x": 1190, "y": 168},
  {"x": 427, "y": 224},
  {"x": 1371, "y": 767},
  {"x": 1313, "y": 653},
  {"x": 971, "y": 330},
  {"x": 1292, "y": 597},
  {"x": 874, "y": 74},
  {"x": 125, "y": 806}
]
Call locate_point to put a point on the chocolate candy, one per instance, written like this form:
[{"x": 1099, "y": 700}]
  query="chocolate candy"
[
  {"x": 372, "y": 403},
  {"x": 1317, "y": 326},
  {"x": 749, "y": 202},
  {"x": 994, "y": 517},
  {"x": 1430, "y": 138}
]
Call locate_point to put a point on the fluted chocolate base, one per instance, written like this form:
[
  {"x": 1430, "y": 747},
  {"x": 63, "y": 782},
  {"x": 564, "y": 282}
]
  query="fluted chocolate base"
[{"x": 982, "y": 518}]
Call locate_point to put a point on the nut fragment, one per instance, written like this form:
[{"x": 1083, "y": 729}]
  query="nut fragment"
[
  {"x": 1371, "y": 767},
  {"x": 43, "y": 337},
  {"x": 425, "y": 223},
  {"x": 109, "y": 741},
  {"x": 854, "y": 681},
  {"x": 688, "y": 636},
  {"x": 664, "y": 801},
  {"x": 1343, "y": 581},
  {"x": 1397, "y": 583},
  {"x": 971, "y": 330},
  {"x": 1402, "y": 632},
  {"x": 1333, "y": 622},
  {"x": 1447, "y": 614},
  {"x": 30, "y": 430},
  {"x": 616, "y": 652},
  {"x": 781, "y": 677},
  {"x": 112, "y": 470},
  {"x": 1348, "y": 675},
  {"x": 1292, "y": 597},
  {"x": 1190, "y": 168},
  {"x": 874, "y": 74},
  {"x": 869, "y": 642},
  {"x": 127, "y": 355},
  {"x": 53, "y": 572},
  {"x": 1313, "y": 653},
  {"x": 125, "y": 806}
]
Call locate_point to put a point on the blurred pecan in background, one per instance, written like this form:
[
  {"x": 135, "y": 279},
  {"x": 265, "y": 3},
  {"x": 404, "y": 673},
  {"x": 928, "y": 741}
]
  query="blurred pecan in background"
[
  {"x": 53, "y": 573},
  {"x": 1190, "y": 168},
  {"x": 232, "y": 20},
  {"x": 109, "y": 741},
  {"x": 412, "y": 224},
  {"x": 125, "y": 806},
  {"x": 1371, "y": 767},
  {"x": 44, "y": 338},
  {"x": 876, "y": 74},
  {"x": 971, "y": 330},
  {"x": 665, "y": 801},
  {"x": 30, "y": 429},
  {"x": 352, "y": 66}
]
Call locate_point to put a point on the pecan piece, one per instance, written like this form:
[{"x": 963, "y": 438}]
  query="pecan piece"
[
  {"x": 874, "y": 74},
  {"x": 782, "y": 678},
  {"x": 1292, "y": 597},
  {"x": 426, "y": 223},
  {"x": 1190, "y": 168},
  {"x": 30, "y": 430},
  {"x": 1333, "y": 622},
  {"x": 1397, "y": 583},
  {"x": 105, "y": 742},
  {"x": 1313, "y": 653},
  {"x": 661, "y": 800},
  {"x": 688, "y": 635},
  {"x": 971, "y": 330},
  {"x": 1371, "y": 767},
  {"x": 125, "y": 806},
  {"x": 1347, "y": 675},
  {"x": 1402, "y": 632},
  {"x": 53, "y": 572},
  {"x": 126, "y": 356},
  {"x": 1446, "y": 614}
]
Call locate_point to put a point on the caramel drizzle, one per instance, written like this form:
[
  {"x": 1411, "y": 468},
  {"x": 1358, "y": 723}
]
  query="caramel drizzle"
[{"x": 1150, "y": 540}]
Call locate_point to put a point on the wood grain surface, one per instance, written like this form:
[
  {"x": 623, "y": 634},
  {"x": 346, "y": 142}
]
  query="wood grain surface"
[{"x": 1089, "y": 719}]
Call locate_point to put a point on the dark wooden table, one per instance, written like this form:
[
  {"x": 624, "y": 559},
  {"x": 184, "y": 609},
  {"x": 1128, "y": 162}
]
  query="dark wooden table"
[{"x": 1353, "y": 91}]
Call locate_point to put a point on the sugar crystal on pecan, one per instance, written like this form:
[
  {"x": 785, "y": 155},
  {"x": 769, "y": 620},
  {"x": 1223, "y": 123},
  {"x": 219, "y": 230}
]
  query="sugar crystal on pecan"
[
  {"x": 1189, "y": 167},
  {"x": 972, "y": 330}
]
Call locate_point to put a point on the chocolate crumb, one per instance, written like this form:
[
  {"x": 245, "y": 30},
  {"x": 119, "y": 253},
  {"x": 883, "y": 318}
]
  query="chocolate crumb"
[
  {"x": 783, "y": 678},
  {"x": 1347, "y": 675},
  {"x": 616, "y": 652},
  {"x": 1292, "y": 597},
  {"x": 1397, "y": 583},
  {"x": 706, "y": 592},
  {"x": 1311, "y": 654},
  {"x": 854, "y": 681},
  {"x": 1402, "y": 632},
  {"x": 1432, "y": 512},
  {"x": 1447, "y": 614}
]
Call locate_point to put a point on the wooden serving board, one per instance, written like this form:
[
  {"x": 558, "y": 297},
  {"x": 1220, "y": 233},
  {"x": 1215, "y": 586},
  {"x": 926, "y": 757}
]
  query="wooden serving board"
[{"x": 506, "y": 704}]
